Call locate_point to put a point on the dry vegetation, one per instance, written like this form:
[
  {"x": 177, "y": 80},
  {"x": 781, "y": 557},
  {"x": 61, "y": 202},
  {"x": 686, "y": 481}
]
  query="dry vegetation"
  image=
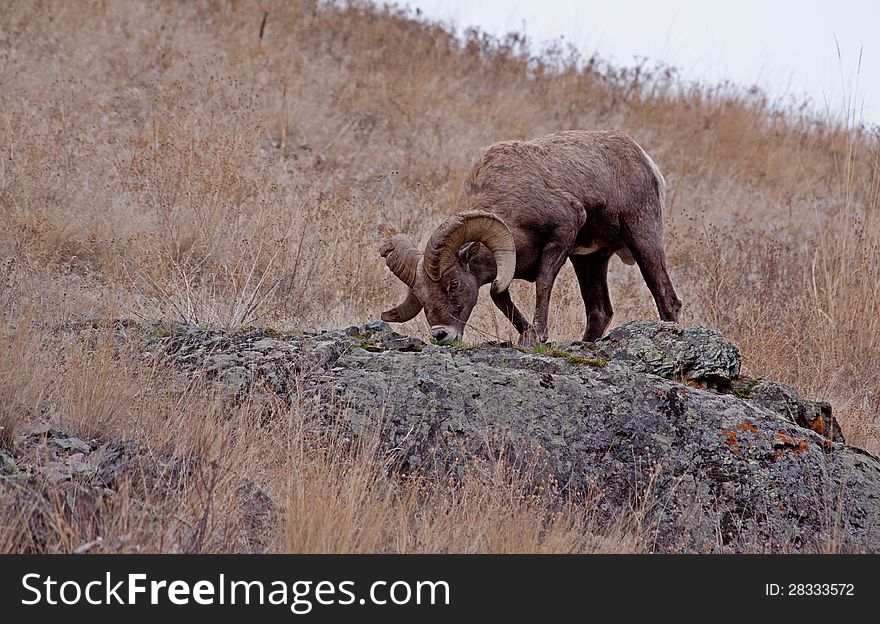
[{"x": 165, "y": 161}]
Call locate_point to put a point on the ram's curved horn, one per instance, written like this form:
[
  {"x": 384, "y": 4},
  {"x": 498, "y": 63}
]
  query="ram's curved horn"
[
  {"x": 405, "y": 311},
  {"x": 467, "y": 227},
  {"x": 402, "y": 257}
]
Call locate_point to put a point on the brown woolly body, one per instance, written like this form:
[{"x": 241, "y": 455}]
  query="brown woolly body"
[{"x": 574, "y": 182}]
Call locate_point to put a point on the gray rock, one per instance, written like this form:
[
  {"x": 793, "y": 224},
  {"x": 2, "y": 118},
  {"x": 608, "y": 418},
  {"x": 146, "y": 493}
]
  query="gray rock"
[
  {"x": 783, "y": 400},
  {"x": 674, "y": 352},
  {"x": 653, "y": 412},
  {"x": 72, "y": 444},
  {"x": 113, "y": 459},
  {"x": 265, "y": 344},
  {"x": 380, "y": 326},
  {"x": 724, "y": 473},
  {"x": 45, "y": 430},
  {"x": 56, "y": 472},
  {"x": 7, "y": 465},
  {"x": 261, "y": 514}
]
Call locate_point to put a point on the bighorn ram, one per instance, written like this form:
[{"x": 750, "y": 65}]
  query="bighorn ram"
[{"x": 527, "y": 206}]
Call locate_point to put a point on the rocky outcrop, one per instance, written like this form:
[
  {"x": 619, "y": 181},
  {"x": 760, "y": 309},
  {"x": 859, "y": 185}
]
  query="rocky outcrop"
[
  {"x": 652, "y": 412},
  {"x": 703, "y": 356},
  {"x": 80, "y": 480}
]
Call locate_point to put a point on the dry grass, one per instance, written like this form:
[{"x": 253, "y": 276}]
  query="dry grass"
[
  {"x": 161, "y": 160},
  {"x": 340, "y": 502}
]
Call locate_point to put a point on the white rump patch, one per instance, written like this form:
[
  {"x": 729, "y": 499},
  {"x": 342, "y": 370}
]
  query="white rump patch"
[{"x": 661, "y": 181}]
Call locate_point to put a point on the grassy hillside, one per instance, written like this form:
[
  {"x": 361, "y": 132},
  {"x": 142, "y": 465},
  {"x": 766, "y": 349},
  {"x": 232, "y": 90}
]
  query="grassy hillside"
[{"x": 239, "y": 163}]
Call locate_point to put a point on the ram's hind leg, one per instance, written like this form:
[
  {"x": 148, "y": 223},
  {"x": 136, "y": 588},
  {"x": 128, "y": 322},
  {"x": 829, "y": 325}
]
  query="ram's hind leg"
[
  {"x": 646, "y": 245},
  {"x": 592, "y": 274}
]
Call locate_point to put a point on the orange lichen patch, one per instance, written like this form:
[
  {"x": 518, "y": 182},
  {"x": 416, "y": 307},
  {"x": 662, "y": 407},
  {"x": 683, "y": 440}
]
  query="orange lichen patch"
[
  {"x": 695, "y": 384},
  {"x": 747, "y": 425},
  {"x": 818, "y": 426},
  {"x": 778, "y": 454},
  {"x": 730, "y": 439},
  {"x": 796, "y": 444}
]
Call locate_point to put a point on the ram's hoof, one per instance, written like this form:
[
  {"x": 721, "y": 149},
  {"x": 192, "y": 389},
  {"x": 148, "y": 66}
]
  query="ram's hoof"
[{"x": 530, "y": 338}]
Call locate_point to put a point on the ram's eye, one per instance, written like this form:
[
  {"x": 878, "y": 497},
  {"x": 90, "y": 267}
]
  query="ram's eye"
[{"x": 453, "y": 283}]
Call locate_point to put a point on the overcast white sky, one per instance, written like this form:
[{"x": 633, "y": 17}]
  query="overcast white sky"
[{"x": 785, "y": 46}]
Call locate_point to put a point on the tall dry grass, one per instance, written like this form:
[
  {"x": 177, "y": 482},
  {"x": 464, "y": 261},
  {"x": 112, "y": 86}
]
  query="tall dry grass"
[{"x": 165, "y": 160}]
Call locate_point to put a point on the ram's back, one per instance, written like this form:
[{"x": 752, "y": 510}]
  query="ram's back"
[{"x": 546, "y": 182}]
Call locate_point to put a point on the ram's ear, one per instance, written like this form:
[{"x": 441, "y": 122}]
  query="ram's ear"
[{"x": 468, "y": 252}]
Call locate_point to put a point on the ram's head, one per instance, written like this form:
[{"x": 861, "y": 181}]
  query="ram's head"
[{"x": 442, "y": 280}]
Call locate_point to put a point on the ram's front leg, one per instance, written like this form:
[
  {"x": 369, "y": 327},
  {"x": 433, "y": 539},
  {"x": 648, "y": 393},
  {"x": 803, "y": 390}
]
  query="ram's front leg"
[
  {"x": 552, "y": 260},
  {"x": 537, "y": 332},
  {"x": 504, "y": 303}
]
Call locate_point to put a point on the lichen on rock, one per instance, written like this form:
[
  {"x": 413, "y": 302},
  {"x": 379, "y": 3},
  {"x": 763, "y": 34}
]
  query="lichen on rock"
[
  {"x": 731, "y": 463},
  {"x": 675, "y": 352}
]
